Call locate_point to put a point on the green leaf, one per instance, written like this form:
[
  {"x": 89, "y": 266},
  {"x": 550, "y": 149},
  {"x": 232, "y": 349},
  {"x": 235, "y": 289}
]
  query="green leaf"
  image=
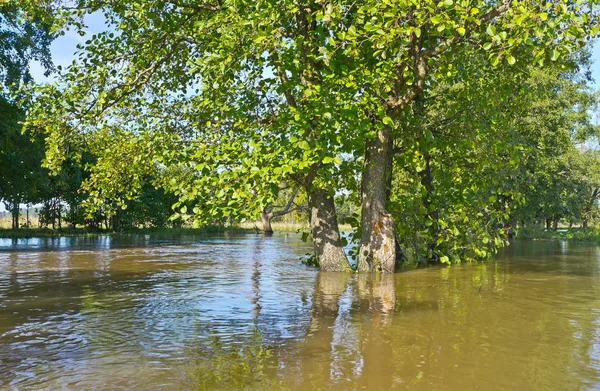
[
  {"x": 495, "y": 60},
  {"x": 327, "y": 159},
  {"x": 511, "y": 60},
  {"x": 461, "y": 30},
  {"x": 304, "y": 145},
  {"x": 491, "y": 30}
]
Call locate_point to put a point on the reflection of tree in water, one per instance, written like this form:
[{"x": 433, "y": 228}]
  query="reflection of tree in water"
[
  {"x": 346, "y": 345},
  {"x": 448, "y": 328}
]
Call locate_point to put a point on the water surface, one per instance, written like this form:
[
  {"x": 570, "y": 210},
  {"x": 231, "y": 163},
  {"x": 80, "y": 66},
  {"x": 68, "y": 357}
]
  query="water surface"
[{"x": 240, "y": 312}]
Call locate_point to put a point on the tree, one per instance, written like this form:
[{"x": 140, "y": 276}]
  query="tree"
[
  {"x": 22, "y": 40},
  {"x": 557, "y": 176},
  {"x": 227, "y": 101},
  {"x": 408, "y": 49},
  {"x": 272, "y": 211}
]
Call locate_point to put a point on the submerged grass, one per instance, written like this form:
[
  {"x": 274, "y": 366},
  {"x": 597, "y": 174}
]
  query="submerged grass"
[{"x": 215, "y": 365}]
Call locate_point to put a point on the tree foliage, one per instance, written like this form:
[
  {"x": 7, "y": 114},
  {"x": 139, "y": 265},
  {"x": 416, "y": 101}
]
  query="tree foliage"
[{"x": 226, "y": 103}]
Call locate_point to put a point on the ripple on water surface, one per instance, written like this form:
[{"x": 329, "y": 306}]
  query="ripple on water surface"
[{"x": 138, "y": 313}]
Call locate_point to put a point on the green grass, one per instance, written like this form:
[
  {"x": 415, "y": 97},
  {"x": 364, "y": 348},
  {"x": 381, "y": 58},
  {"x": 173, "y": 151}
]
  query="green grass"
[
  {"x": 246, "y": 227},
  {"x": 589, "y": 235},
  {"x": 50, "y": 233}
]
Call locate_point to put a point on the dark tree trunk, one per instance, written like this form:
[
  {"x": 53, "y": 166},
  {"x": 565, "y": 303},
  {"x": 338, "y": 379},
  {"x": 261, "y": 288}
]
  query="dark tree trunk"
[
  {"x": 587, "y": 210},
  {"x": 72, "y": 211},
  {"x": 555, "y": 225},
  {"x": 432, "y": 213},
  {"x": 15, "y": 215},
  {"x": 548, "y": 223},
  {"x": 508, "y": 231},
  {"x": 325, "y": 232},
  {"x": 265, "y": 219},
  {"x": 377, "y": 240}
]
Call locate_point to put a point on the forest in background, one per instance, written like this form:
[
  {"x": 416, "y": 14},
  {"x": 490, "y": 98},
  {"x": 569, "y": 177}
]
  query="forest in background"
[{"x": 432, "y": 129}]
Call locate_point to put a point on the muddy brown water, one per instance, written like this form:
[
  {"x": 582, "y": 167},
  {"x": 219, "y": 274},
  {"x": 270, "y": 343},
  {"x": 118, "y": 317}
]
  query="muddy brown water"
[{"x": 240, "y": 312}]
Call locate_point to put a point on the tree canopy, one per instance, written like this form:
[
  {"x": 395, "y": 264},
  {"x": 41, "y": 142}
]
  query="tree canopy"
[{"x": 226, "y": 103}]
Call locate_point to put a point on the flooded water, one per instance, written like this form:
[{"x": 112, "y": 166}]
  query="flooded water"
[{"x": 240, "y": 312}]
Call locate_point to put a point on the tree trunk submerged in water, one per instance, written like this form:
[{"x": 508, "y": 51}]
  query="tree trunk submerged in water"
[
  {"x": 377, "y": 239},
  {"x": 15, "y": 216},
  {"x": 265, "y": 219},
  {"x": 325, "y": 232}
]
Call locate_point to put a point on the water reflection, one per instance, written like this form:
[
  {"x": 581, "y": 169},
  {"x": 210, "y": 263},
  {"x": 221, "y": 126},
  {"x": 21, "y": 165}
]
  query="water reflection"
[{"x": 239, "y": 312}]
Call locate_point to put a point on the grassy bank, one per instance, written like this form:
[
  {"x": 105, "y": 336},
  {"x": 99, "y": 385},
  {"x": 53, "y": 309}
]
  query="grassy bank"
[
  {"x": 51, "y": 233},
  {"x": 247, "y": 227},
  {"x": 590, "y": 235}
]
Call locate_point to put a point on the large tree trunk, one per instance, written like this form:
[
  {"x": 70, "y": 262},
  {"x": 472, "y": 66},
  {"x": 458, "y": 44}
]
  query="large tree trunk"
[
  {"x": 325, "y": 232},
  {"x": 377, "y": 239},
  {"x": 265, "y": 219}
]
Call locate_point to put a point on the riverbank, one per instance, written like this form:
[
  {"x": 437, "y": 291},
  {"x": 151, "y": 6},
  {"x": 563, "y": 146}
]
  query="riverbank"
[
  {"x": 65, "y": 232},
  {"x": 246, "y": 227},
  {"x": 587, "y": 235}
]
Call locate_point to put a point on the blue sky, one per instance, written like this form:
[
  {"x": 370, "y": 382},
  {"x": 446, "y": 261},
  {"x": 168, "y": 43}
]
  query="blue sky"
[{"x": 63, "y": 49}]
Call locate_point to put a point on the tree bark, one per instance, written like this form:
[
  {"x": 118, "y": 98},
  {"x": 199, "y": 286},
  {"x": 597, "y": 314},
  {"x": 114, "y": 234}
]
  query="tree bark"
[
  {"x": 377, "y": 239},
  {"x": 15, "y": 216},
  {"x": 265, "y": 219},
  {"x": 325, "y": 233}
]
